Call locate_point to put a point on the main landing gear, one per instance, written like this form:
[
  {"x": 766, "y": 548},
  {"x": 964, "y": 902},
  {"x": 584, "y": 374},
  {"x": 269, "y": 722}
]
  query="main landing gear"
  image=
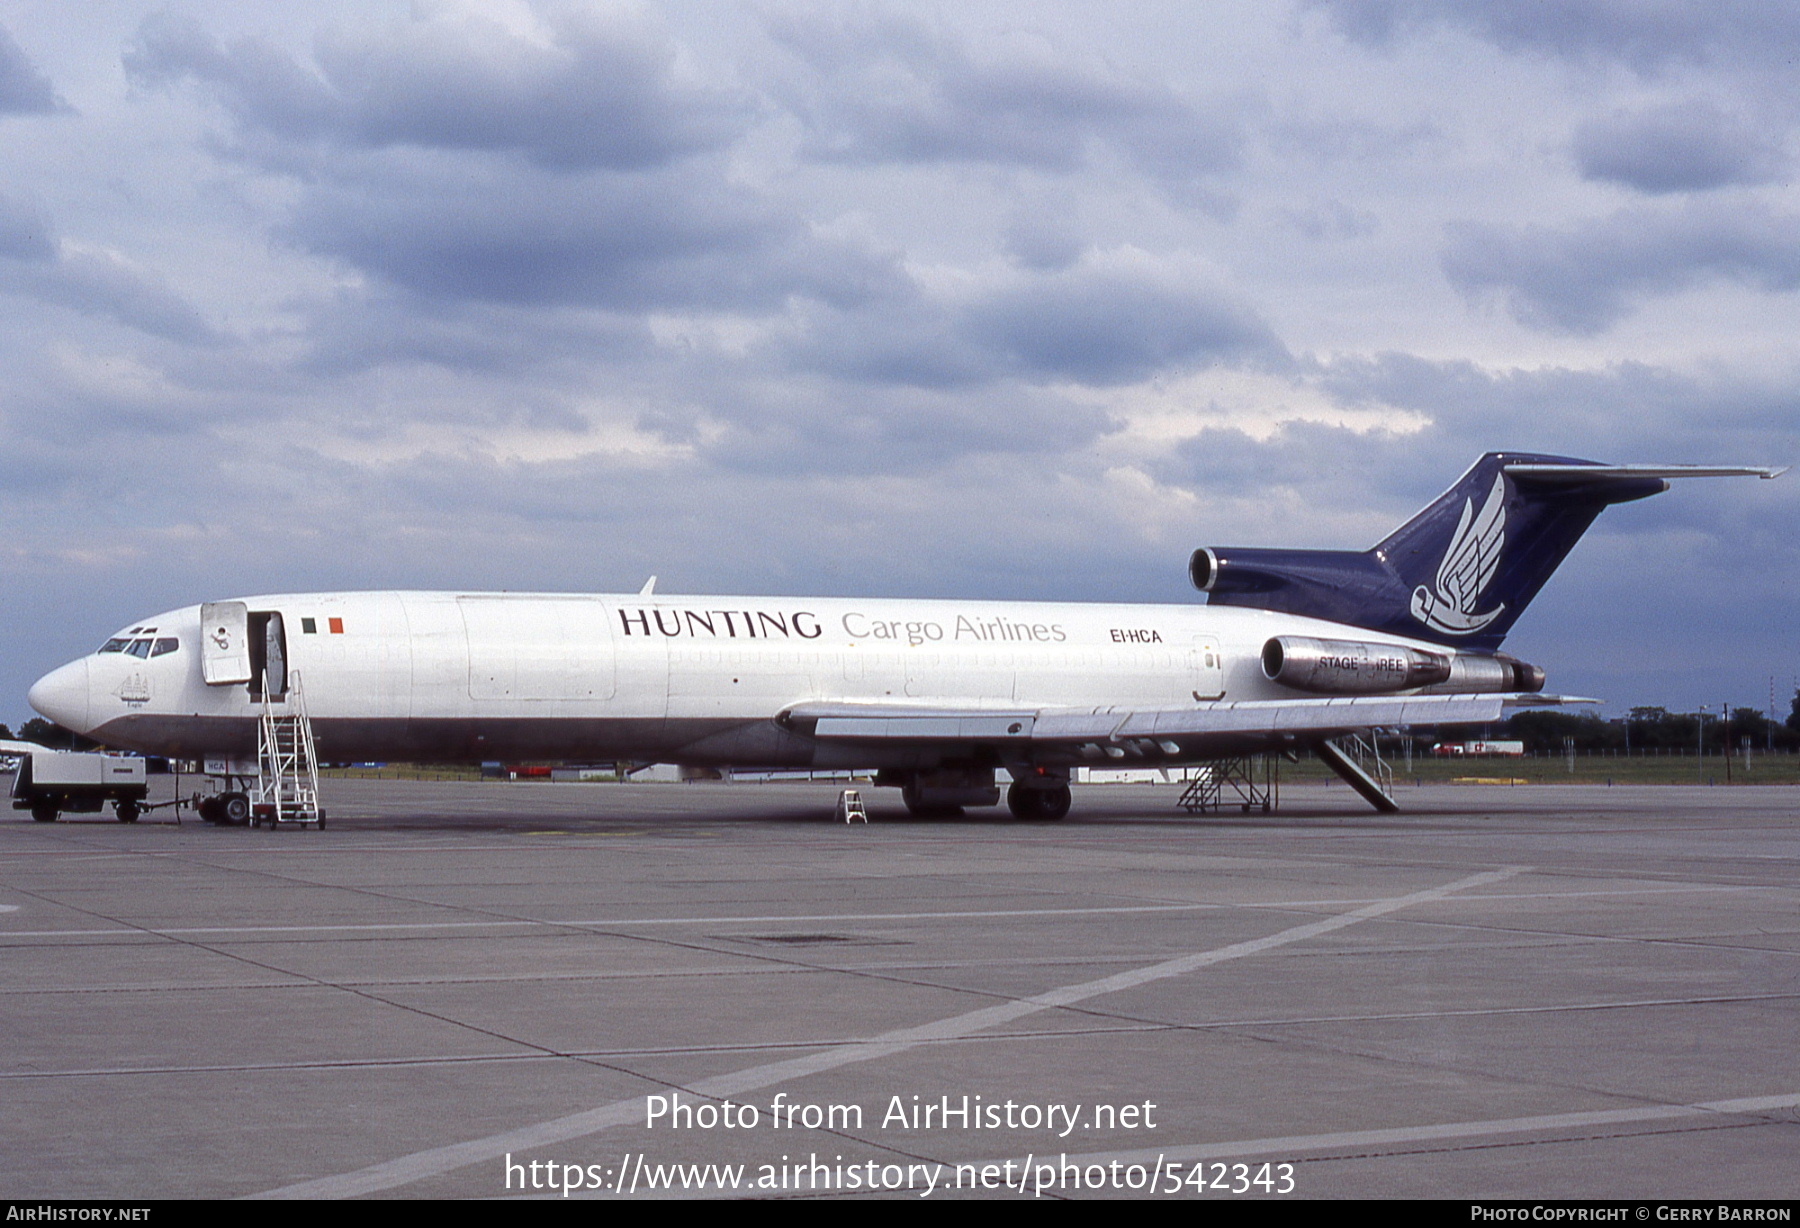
[
  {"x": 921, "y": 804},
  {"x": 1037, "y": 805},
  {"x": 1037, "y": 795}
]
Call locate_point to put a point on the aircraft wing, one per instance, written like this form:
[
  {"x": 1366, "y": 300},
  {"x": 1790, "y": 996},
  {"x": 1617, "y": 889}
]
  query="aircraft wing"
[{"x": 1190, "y": 727}]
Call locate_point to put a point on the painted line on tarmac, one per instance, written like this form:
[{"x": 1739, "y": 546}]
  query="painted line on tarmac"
[
  {"x": 1317, "y": 1146},
  {"x": 405, "y": 1170},
  {"x": 606, "y": 922},
  {"x": 788, "y": 919},
  {"x": 1032, "y": 1037}
]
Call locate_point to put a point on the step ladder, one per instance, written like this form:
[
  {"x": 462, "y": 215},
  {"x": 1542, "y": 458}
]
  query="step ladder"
[
  {"x": 287, "y": 769},
  {"x": 850, "y": 807},
  {"x": 1248, "y": 782}
]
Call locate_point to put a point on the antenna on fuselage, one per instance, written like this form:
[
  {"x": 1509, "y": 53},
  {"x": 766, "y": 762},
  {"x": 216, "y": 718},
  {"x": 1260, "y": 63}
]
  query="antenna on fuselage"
[{"x": 649, "y": 588}]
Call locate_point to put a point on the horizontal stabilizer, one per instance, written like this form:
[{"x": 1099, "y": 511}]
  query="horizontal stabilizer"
[{"x": 1570, "y": 474}]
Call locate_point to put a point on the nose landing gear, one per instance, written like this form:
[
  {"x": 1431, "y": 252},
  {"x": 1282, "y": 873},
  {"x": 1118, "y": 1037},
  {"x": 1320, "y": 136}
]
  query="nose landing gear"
[{"x": 225, "y": 809}]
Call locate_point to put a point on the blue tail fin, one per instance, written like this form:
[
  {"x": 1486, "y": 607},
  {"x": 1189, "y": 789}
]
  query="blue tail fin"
[{"x": 1459, "y": 573}]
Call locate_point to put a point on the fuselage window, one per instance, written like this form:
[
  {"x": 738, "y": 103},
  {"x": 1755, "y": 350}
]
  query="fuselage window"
[
  {"x": 116, "y": 645},
  {"x": 164, "y": 647},
  {"x": 138, "y": 648}
]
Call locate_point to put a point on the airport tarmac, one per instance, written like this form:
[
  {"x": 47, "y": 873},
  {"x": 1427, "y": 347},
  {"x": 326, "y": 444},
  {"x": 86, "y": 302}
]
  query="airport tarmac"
[{"x": 1530, "y": 992}]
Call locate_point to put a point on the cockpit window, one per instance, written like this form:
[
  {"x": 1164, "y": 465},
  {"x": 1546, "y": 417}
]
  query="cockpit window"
[
  {"x": 115, "y": 645},
  {"x": 138, "y": 648},
  {"x": 165, "y": 646}
]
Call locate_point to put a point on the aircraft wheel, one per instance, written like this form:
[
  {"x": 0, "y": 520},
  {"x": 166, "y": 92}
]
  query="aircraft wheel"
[
  {"x": 127, "y": 810},
  {"x": 1038, "y": 805},
  {"x": 234, "y": 809},
  {"x": 44, "y": 812}
]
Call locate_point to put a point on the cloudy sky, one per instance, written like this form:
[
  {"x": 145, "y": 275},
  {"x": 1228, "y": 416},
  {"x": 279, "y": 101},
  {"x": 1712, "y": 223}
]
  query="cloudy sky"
[{"x": 969, "y": 299}]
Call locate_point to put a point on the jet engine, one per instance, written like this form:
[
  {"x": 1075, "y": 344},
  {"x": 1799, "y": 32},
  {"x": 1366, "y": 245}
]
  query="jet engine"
[
  {"x": 1346, "y": 667},
  {"x": 1350, "y": 667}
]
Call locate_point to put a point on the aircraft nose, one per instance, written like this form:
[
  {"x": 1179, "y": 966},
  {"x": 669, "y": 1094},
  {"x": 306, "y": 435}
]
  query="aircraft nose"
[{"x": 62, "y": 695}]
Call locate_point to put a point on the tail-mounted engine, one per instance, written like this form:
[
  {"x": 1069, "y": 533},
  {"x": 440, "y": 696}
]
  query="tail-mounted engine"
[{"x": 1349, "y": 667}]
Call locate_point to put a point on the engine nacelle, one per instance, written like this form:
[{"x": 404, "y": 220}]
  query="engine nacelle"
[
  {"x": 1349, "y": 667},
  {"x": 1500, "y": 672}
]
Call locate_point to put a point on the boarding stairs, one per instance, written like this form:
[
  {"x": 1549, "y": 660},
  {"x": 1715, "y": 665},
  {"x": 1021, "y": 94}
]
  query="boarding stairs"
[
  {"x": 1359, "y": 762},
  {"x": 287, "y": 767}
]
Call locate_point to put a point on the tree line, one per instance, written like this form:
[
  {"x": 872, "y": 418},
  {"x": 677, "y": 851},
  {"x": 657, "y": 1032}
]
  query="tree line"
[{"x": 1652, "y": 729}]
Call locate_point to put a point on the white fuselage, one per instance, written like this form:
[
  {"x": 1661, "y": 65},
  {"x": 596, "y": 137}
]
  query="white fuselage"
[{"x": 464, "y": 677}]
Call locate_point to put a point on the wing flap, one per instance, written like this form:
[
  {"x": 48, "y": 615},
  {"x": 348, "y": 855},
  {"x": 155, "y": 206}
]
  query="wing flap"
[
  {"x": 959, "y": 727},
  {"x": 877, "y": 723}
]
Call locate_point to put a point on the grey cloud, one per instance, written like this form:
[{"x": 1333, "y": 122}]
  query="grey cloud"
[
  {"x": 354, "y": 333},
  {"x": 99, "y": 284},
  {"x": 23, "y": 89},
  {"x": 1645, "y": 34},
  {"x": 1103, "y": 326},
  {"x": 1329, "y": 459},
  {"x": 622, "y": 242},
  {"x": 1331, "y": 219},
  {"x": 911, "y": 340},
  {"x": 888, "y": 88},
  {"x": 1355, "y": 485},
  {"x": 34, "y": 263},
  {"x": 1680, "y": 147},
  {"x": 460, "y": 164},
  {"x": 1629, "y": 411},
  {"x": 1044, "y": 238},
  {"x": 826, "y": 428},
  {"x": 600, "y": 96},
  {"x": 1092, "y": 323},
  {"x": 25, "y": 232},
  {"x": 1585, "y": 278}
]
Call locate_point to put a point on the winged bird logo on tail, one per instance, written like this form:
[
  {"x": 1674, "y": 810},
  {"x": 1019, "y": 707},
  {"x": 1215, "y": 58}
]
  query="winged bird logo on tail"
[{"x": 1468, "y": 567}]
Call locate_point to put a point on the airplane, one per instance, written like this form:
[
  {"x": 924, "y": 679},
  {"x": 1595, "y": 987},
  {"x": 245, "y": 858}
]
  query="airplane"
[{"x": 1291, "y": 649}]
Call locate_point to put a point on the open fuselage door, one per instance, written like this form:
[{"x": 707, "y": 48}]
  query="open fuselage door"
[
  {"x": 238, "y": 645},
  {"x": 268, "y": 654},
  {"x": 225, "y": 643}
]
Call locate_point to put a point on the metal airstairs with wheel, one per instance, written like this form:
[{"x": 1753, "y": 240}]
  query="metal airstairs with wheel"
[
  {"x": 287, "y": 769},
  {"x": 1360, "y": 764}
]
